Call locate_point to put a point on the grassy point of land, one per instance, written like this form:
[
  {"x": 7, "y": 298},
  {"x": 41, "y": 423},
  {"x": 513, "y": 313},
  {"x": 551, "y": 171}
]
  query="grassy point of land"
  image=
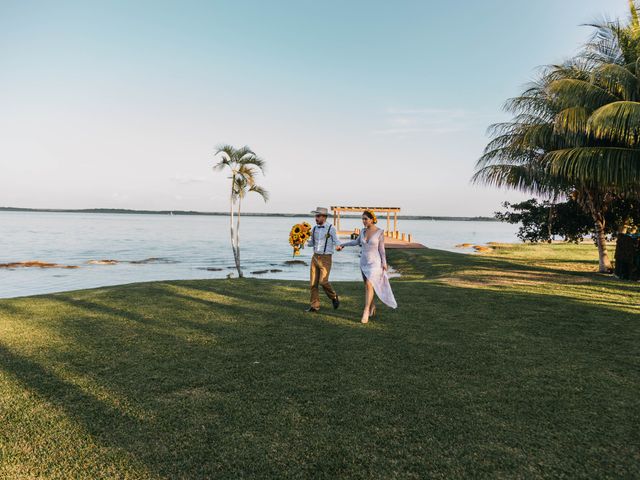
[{"x": 521, "y": 363}]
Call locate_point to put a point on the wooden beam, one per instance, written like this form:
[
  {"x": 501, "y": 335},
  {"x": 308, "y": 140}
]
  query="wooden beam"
[{"x": 360, "y": 209}]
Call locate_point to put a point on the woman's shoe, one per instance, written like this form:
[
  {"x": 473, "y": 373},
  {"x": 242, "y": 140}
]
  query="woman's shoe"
[{"x": 365, "y": 318}]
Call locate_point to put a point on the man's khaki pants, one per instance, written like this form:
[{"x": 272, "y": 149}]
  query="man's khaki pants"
[{"x": 320, "y": 269}]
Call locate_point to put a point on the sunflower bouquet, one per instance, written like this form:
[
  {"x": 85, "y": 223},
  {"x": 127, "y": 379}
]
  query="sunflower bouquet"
[{"x": 300, "y": 233}]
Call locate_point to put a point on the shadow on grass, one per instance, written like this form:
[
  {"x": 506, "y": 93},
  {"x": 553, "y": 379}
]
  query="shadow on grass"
[
  {"x": 7, "y": 306},
  {"x": 285, "y": 298},
  {"x": 104, "y": 423},
  {"x": 436, "y": 264}
]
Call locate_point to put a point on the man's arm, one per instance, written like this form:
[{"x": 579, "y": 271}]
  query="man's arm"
[
  {"x": 311, "y": 238},
  {"x": 334, "y": 237}
]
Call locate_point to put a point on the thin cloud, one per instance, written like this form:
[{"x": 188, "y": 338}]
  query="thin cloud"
[
  {"x": 405, "y": 131},
  {"x": 188, "y": 179},
  {"x": 447, "y": 112},
  {"x": 429, "y": 121}
]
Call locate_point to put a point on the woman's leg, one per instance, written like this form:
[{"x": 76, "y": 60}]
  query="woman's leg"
[
  {"x": 368, "y": 300},
  {"x": 372, "y": 305}
]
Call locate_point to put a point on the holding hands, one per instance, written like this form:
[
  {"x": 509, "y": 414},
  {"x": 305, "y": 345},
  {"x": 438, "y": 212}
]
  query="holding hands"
[{"x": 339, "y": 248}]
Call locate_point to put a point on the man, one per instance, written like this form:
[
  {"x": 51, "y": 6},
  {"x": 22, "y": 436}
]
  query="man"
[{"x": 324, "y": 239}]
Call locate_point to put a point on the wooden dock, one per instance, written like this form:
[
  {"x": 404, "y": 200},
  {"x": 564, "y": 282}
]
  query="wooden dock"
[
  {"x": 389, "y": 241},
  {"x": 392, "y": 243},
  {"x": 392, "y": 237}
]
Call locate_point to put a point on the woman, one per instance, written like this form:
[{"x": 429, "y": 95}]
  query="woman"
[{"x": 373, "y": 263}]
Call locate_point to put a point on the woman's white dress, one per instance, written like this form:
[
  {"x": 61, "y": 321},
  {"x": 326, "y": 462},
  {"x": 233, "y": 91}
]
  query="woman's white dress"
[{"x": 372, "y": 260}]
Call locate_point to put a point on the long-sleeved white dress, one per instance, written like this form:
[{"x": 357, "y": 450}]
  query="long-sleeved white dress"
[{"x": 372, "y": 260}]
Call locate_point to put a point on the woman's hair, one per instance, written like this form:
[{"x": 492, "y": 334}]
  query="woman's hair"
[{"x": 371, "y": 215}]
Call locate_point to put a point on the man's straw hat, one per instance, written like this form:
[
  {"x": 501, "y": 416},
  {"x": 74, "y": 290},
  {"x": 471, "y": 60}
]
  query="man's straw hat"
[{"x": 320, "y": 211}]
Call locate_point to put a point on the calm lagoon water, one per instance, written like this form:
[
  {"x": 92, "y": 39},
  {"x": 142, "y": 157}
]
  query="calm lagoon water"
[{"x": 183, "y": 246}]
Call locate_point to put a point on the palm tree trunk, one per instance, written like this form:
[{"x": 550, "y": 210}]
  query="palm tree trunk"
[
  {"x": 596, "y": 208},
  {"x": 233, "y": 236},
  {"x": 238, "y": 239},
  {"x": 601, "y": 241},
  {"x": 550, "y": 223}
]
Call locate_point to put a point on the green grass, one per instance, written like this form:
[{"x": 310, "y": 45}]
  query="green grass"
[{"x": 517, "y": 364}]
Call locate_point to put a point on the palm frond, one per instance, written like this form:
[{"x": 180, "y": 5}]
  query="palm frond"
[
  {"x": 571, "y": 125},
  {"x": 605, "y": 45},
  {"x": 260, "y": 191},
  {"x": 539, "y": 136},
  {"x": 635, "y": 22},
  {"x": 574, "y": 69},
  {"x": 603, "y": 166},
  {"x": 243, "y": 152},
  {"x": 525, "y": 178},
  {"x": 248, "y": 173},
  {"x": 224, "y": 162},
  {"x": 536, "y": 105},
  {"x": 618, "y": 80},
  {"x": 618, "y": 122},
  {"x": 254, "y": 160},
  {"x": 579, "y": 93},
  {"x": 508, "y": 156},
  {"x": 225, "y": 150}
]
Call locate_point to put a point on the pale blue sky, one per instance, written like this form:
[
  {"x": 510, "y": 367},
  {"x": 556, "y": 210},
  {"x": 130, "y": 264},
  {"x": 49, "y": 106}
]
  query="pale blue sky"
[{"x": 120, "y": 103}]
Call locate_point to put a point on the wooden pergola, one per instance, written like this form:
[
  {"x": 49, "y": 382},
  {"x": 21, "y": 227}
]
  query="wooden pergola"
[{"x": 338, "y": 211}]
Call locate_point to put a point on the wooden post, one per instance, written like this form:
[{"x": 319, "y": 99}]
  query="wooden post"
[
  {"x": 395, "y": 222},
  {"x": 410, "y": 238},
  {"x": 403, "y": 238},
  {"x": 388, "y": 221},
  {"x": 338, "y": 220}
]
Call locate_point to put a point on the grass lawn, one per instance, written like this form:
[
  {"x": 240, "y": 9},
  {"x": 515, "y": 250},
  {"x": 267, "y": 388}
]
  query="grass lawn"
[{"x": 516, "y": 364}]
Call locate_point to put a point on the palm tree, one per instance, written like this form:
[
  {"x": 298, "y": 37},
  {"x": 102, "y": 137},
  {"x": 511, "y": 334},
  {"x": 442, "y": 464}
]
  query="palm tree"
[
  {"x": 577, "y": 128},
  {"x": 518, "y": 155},
  {"x": 244, "y": 166}
]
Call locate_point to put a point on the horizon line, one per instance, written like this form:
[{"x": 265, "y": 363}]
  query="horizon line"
[{"x": 196, "y": 212}]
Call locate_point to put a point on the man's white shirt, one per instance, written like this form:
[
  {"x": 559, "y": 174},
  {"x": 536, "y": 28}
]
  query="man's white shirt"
[{"x": 319, "y": 241}]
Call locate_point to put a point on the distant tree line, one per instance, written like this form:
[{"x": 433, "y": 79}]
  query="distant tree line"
[{"x": 545, "y": 221}]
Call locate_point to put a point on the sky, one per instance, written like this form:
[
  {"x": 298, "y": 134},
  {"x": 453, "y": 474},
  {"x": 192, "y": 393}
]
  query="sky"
[{"x": 121, "y": 104}]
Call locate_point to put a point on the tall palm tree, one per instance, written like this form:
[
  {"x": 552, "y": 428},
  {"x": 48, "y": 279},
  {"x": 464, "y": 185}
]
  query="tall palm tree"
[
  {"x": 244, "y": 166},
  {"x": 518, "y": 155},
  {"x": 577, "y": 128}
]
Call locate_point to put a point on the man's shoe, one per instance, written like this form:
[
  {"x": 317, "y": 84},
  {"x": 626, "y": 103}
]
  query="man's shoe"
[
  {"x": 311, "y": 310},
  {"x": 336, "y": 303}
]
